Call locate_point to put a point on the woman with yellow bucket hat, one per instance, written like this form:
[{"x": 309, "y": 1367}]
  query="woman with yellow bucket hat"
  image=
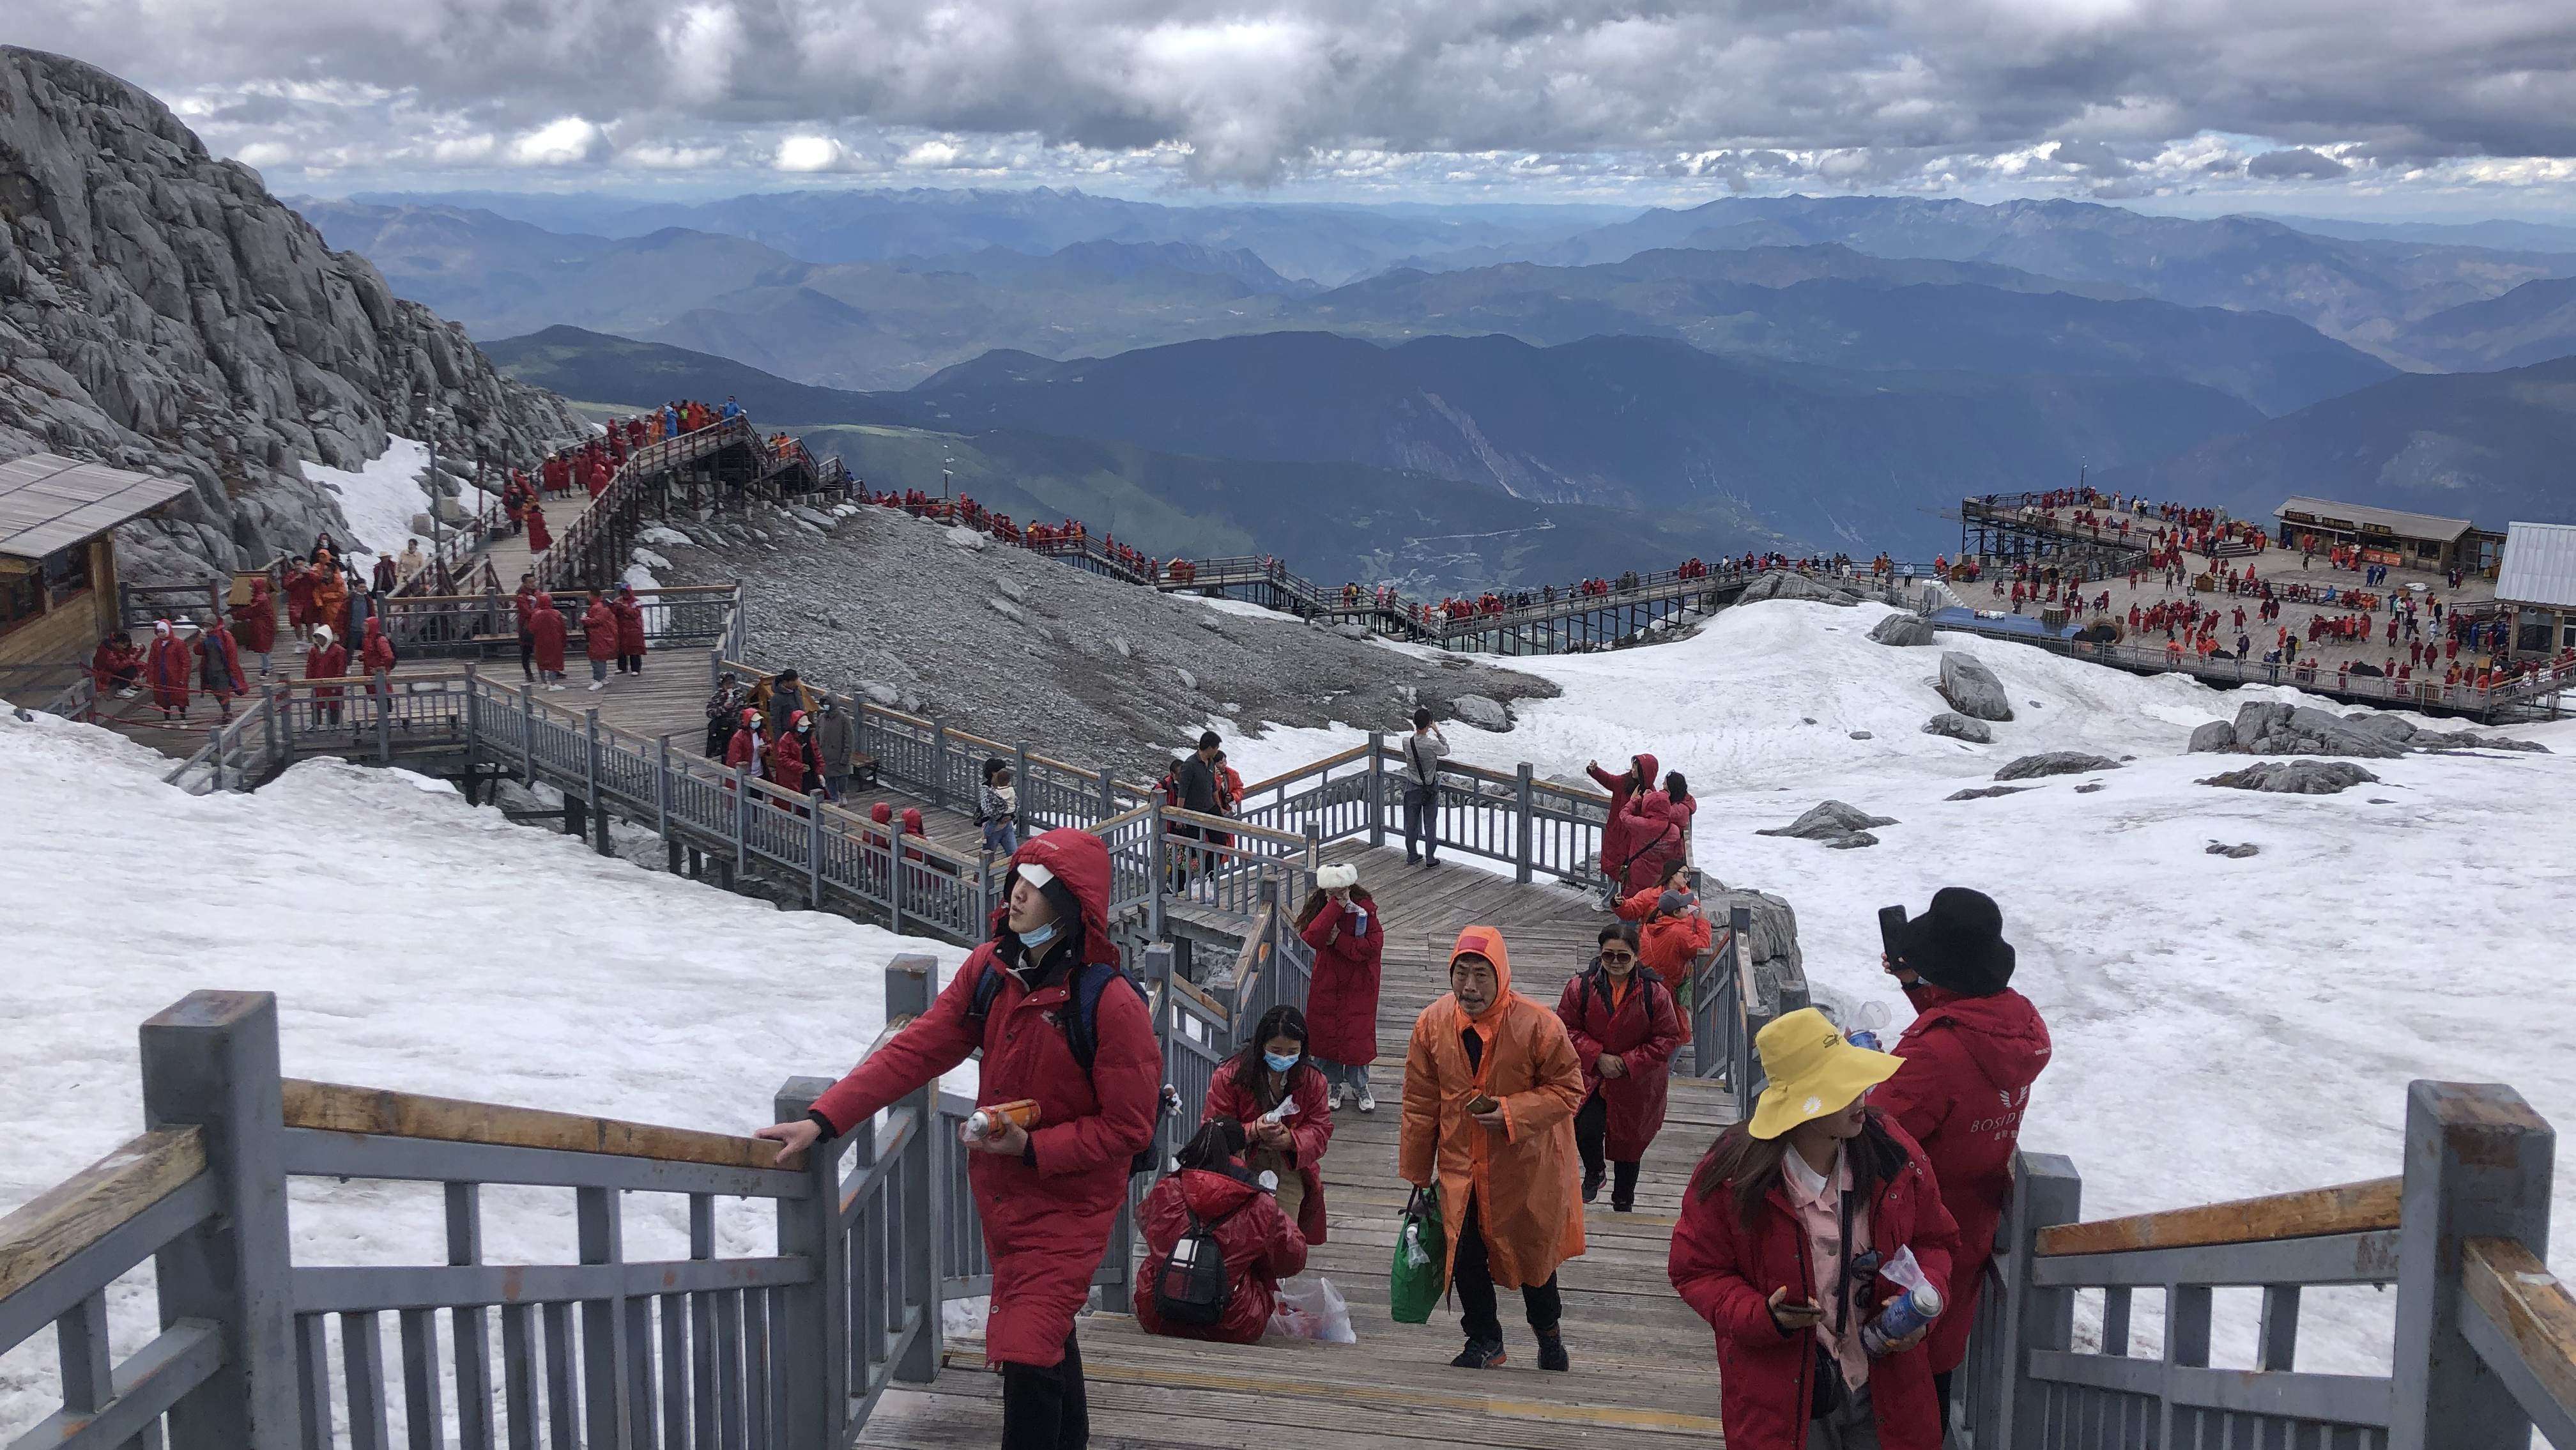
[{"x": 1782, "y": 1234}]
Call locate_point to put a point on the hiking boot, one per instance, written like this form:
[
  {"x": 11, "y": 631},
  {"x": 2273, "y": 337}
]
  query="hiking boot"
[
  {"x": 1591, "y": 1187},
  {"x": 1484, "y": 1354},
  {"x": 1551, "y": 1350}
]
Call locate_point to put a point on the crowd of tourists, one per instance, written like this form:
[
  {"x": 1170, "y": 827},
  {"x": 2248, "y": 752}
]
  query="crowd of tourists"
[{"x": 589, "y": 466}]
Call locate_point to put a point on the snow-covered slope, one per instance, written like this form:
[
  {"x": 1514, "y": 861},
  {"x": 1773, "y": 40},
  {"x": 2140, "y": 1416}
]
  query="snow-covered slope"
[
  {"x": 414, "y": 943},
  {"x": 2224, "y": 1027}
]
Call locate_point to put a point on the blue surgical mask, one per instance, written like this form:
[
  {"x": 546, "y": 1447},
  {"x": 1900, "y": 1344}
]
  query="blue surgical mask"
[
  {"x": 1279, "y": 1063},
  {"x": 1038, "y": 936}
]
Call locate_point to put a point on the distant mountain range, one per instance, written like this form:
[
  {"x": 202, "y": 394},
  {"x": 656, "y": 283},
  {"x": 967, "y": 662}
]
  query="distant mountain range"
[{"x": 2491, "y": 447}]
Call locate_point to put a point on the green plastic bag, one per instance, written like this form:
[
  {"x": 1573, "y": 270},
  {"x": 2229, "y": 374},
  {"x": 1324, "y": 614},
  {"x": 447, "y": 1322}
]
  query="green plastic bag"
[{"x": 1421, "y": 1271}]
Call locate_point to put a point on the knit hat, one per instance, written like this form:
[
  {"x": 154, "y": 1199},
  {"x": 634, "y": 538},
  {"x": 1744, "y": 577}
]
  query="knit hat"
[
  {"x": 1958, "y": 944},
  {"x": 1338, "y": 876}
]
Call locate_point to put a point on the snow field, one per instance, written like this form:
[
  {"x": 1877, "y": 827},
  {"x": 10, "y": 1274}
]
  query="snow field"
[
  {"x": 379, "y": 499},
  {"x": 414, "y": 943}
]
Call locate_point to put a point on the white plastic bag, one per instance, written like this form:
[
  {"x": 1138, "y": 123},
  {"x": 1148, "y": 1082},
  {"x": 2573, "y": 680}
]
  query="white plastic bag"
[{"x": 1311, "y": 1308}]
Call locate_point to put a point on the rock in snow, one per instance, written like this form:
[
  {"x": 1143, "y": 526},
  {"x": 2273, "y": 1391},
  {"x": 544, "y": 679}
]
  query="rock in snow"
[
  {"x": 2216, "y": 735},
  {"x": 2268, "y": 727},
  {"x": 1831, "y": 822},
  {"x": 1482, "y": 712},
  {"x": 1978, "y": 793},
  {"x": 2296, "y": 777},
  {"x": 1904, "y": 629},
  {"x": 1972, "y": 689},
  {"x": 2055, "y": 762},
  {"x": 1959, "y": 727},
  {"x": 1794, "y": 586},
  {"x": 2221, "y": 848}
]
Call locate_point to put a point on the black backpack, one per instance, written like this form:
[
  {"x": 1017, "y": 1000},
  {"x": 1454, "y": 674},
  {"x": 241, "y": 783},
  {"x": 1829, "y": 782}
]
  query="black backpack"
[
  {"x": 1192, "y": 1288},
  {"x": 1081, "y": 1030}
]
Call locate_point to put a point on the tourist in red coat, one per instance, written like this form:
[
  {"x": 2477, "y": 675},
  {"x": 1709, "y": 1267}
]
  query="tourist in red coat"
[
  {"x": 1340, "y": 921},
  {"x": 1618, "y": 850},
  {"x": 1253, "y": 1235},
  {"x": 745, "y": 748},
  {"x": 1625, "y": 1024},
  {"x": 299, "y": 597},
  {"x": 539, "y": 538},
  {"x": 1048, "y": 1196},
  {"x": 599, "y": 639},
  {"x": 1975, "y": 1048},
  {"x": 595, "y": 478},
  {"x": 787, "y": 758},
  {"x": 255, "y": 622},
  {"x": 326, "y": 660},
  {"x": 546, "y": 624},
  {"x": 167, "y": 665},
  {"x": 630, "y": 630},
  {"x": 1274, "y": 1075},
  {"x": 375, "y": 652},
  {"x": 219, "y": 668},
  {"x": 1758, "y": 1252}
]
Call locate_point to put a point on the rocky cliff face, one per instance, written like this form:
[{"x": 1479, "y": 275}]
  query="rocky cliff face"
[{"x": 160, "y": 311}]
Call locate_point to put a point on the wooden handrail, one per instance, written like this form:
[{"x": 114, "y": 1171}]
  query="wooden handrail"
[
  {"x": 50, "y": 1228},
  {"x": 1311, "y": 767},
  {"x": 1231, "y": 826},
  {"x": 336, "y": 1108},
  {"x": 2529, "y": 1304},
  {"x": 2346, "y": 1208},
  {"x": 1205, "y": 1003}
]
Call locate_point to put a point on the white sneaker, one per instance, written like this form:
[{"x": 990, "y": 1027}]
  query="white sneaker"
[
  {"x": 554, "y": 687},
  {"x": 1341, "y": 1093},
  {"x": 1368, "y": 1103},
  {"x": 599, "y": 684}
]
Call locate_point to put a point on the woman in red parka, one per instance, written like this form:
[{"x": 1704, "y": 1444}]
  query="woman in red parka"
[
  {"x": 1638, "y": 905},
  {"x": 1625, "y": 1025},
  {"x": 326, "y": 660},
  {"x": 1635, "y": 806},
  {"x": 599, "y": 639},
  {"x": 219, "y": 668},
  {"x": 1047, "y": 1197},
  {"x": 1973, "y": 1052},
  {"x": 540, "y": 538},
  {"x": 1340, "y": 921},
  {"x": 1273, "y": 1075},
  {"x": 630, "y": 631},
  {"x": 787, "y": 759},
  {"x": 546, "y": 626},
  {"x": 1760, "y": 1253},
  {"x": 745, "y": 748},
  {"x": 255, "y": 622},
  {"x": 1261, "y": 1247},
  {"x": 167, "y": 665}
]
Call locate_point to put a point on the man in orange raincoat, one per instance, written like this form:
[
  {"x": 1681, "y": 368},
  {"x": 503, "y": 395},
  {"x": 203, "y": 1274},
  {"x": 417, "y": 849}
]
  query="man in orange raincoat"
[{"x": 1491, "y": 1085}]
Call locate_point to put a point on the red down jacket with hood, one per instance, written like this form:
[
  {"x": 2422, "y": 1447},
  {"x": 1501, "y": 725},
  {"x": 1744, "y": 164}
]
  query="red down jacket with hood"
[
  {"x": 1642, "y": 1031},
  {"x": 1261, "y": 1248},
  {"x": 1765, "y": 1377},
  {"x": 1642, "y": 830},
  {"x": 1969, "y": 1064},
  {"x": 1310, "y": 1129},
  {"x": 1045, "y": 1226},
  {"x": 1341, "y": 1001}
]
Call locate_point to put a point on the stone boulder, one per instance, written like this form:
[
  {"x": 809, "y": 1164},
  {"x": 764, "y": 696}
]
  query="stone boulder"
[
  {"x": 1959, "y": 727},
  {"x": 1783, "y": 585},
  {"x": 2235, "y": 853},
  {"x": 1831, "y": 822},
  {"x": 2295, "y": 777},
  {"x": 1778, "y": 970},
  {"x": 2270, "y": 727},
  {"x": 1904, "y": 630},
  {"x": 1482, "y": 712},
  {"x": 1351, "y": 629},
  {"x": 2056, "y": 762},
  {"x": 2216, "y": 735},
  {"x": 1972, "y": 689}
]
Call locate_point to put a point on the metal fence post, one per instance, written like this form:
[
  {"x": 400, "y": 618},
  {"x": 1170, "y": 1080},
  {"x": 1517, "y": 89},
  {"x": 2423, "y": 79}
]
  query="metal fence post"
[
  {"x": 1108, "y": 792},
  {"x": 2046, "y": 1190},
  {"x": 1521, "y": 826},
  {"x": 527, "y": 735},
  {"x": 810, "y": 1347},
  {"x": 938, "y": 764},
  {"x": 2478, "y": 1163},
  {"x": 381, "y": 686},
  {"x": 1376, "y": 789},
  {"x": 211, "y": 1060},
  {"x": 910, "y": 983},
  {"x": 269, "y": 703},
  {"x": 742, "y": 817},
  {"x": 590, "y": 782},
  {"x": 814, "y": 849},
  {"x": 1739, "y": 1033},
  {"x": 1158, "y": 973},
  {"x": 1158, "y": 858},
  {"x": 1020, "y": 783},
  {"x": 662, "y": 790}
]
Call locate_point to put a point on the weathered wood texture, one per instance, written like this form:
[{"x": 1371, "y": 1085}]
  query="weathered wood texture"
[
  {"x": 335, "y": 1108},
  {"x": 2348, "y": 1208},
  {"x": 50, "y": 1228},
  {"x": 2529, "y": 1304}
]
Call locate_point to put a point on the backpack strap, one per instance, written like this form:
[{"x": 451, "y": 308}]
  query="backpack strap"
[{"x": 1082, "y": 1029}]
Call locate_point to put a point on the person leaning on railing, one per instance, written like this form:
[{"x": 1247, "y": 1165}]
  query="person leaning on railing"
[{"x": 1048, "y": 1196}]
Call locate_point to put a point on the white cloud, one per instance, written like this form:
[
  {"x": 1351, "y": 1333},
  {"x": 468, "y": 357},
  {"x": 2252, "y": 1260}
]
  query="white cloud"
[{"x": 566, "y": 142}]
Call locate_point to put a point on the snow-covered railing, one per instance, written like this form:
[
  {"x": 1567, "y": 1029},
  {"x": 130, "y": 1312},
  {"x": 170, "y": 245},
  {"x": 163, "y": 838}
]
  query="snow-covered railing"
[
  {"x": 790, "y": 1349},
  {"x": 2485, "y": 1341}
]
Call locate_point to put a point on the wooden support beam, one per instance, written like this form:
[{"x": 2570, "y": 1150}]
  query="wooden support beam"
[
  {"x": 50, "y": 1228},
  {"x": 2349, "y": 1208},
  {"x": 336, "y": 1108}
]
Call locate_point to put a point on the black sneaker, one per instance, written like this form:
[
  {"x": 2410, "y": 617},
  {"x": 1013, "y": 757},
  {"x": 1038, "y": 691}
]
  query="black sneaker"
[
  {"x": 1618, "y": 1207},
  {"x": 1591, "y": 1187},
  {"x": 1551, "y": 1351},
  {"x": 1485, "y": 1354},
  {"x": 1412, "y": 860}
]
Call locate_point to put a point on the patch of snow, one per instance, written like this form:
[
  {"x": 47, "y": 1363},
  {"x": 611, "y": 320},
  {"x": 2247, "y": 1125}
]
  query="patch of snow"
[
  {"x": 1243, "y": 607},
  {"x": 380, "y": 499},
  {"x": 662, "y": 534}
]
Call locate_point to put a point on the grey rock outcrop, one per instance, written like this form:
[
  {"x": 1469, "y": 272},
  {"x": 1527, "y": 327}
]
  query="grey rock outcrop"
[
  {"x": 1483, "y": 712},
  {"x": 2295, "y": 777},
  {"x": 1978, "y": 793},
  {"x": 160, "y": 311},
  {"x": 1794, "y": 586},
  {"x": 1972, "y": 689},
  {"x": 2272, "y": 728},
  {"x": 1959, "y": 727},
  {"x": 1904, "y": 630},
  {"x": 2235, "y": 853},
  {"x": 1833, "y": 823},
  {"x": 1778, "y": 969},
  {"x": 2056, "y": 762},
  {"x": 2216, "y": 735}
]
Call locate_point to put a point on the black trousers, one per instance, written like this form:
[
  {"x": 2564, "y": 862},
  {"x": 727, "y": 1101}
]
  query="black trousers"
[
  {"x": 527, "y": 654},
  {"x": 1473, "y": 1277},
  {"x": 1422, "y": 821},
  {"x": 630, "y": 664},
  {"x": 1046, "y": 1409},
  {"x": 1591, "y": 1128}
]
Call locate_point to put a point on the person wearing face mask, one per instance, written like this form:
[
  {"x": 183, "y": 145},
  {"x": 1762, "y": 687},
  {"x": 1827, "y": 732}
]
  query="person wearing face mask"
[
  {"x": 1491, "y": 1085},
  {"x": 1256, "y": 1234},
  {"x": 1625, "y": 1024},
  {"x": 1340, "y": 921},
  {"x": 1043, "y": 986},
  {"x": 1278, "y": 1095},
  {"x": 1783, "y": 1230}
]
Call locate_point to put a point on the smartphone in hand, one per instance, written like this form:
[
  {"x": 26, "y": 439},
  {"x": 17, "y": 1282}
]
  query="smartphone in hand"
[
  {"x": 1891, "y": 934},
  {"x": 1481, "y": 1103}
]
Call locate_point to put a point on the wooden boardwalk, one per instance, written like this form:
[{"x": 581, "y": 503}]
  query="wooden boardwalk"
[{"x": 1644, "y": 1368}]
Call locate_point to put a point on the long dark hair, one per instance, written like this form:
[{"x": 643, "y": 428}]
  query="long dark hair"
[
  {"x": 1213, "y": 1146},
  {"x": 1253, "y": 1074},
  {"x": 1749, "y": 1166},
  {"x": 1676, "y": 789},
  {"x": 1315, "y": 903}
]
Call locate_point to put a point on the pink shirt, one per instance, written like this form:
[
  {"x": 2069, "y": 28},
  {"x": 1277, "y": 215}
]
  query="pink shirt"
[{"x": 1818, "y": 1200}]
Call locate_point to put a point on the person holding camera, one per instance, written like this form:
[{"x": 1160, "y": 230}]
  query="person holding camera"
[
  {"x": 1971, "y": 1055},
  {"x": 1784, "y": 1229}
]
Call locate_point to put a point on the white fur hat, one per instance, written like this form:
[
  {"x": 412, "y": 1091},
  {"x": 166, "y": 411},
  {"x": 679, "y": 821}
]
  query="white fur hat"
[{"x": 1336, "y": 876}]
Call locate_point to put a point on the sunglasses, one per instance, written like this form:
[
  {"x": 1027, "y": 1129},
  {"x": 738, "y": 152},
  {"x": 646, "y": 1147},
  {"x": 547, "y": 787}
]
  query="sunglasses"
[{"x": 1618, "y": 956}]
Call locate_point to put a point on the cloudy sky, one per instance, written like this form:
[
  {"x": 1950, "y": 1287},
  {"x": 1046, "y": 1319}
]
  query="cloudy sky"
[{"x": 2434, "y": 108}]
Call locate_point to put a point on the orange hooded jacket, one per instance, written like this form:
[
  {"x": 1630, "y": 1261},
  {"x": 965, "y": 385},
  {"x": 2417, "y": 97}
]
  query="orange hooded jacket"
[{"x": 1525, "y": 1176}]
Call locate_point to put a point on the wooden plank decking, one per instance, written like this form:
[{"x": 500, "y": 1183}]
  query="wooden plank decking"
[{"x": 1643, "y": 1365}]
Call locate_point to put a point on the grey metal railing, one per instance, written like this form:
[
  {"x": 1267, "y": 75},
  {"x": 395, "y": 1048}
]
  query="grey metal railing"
[
  {"x": 2485, "y": 1340},
  {"x": 1538, "y": 827},
  {"x": 1721, "y": 1012}
]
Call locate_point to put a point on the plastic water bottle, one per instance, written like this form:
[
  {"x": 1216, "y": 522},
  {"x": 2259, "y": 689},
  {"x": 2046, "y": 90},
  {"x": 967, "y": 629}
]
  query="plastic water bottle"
[{"x": 1917, "y": 1307}]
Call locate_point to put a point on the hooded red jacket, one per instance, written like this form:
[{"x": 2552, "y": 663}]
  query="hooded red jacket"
[
  {"x": 1045, "y": 1226},
  {"x": 630, "y": 625},
  {"x": 1765, "y": 1377},
  {"x": 599, "y": 631},
  {"x": 1310, "y": 1131},
  {"x": 1970, "y": 1062},
  {"x": 1261, "y": 1248},
  {"x": 1617, "y": 844},
  {"x": 546, "y": 634},
  {"x": 1642, "y": 1030},
  {"x": 1341, "y": 1001}
]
